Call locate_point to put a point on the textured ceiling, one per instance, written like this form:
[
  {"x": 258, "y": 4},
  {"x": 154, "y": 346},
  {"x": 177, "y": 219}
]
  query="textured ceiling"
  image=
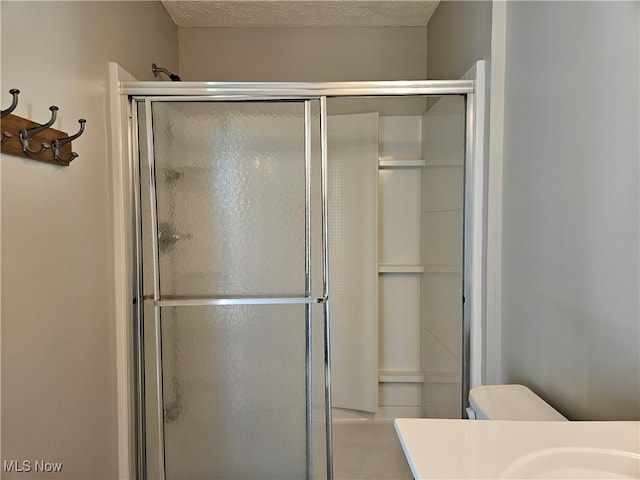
[{"x": 300, "y": 13}]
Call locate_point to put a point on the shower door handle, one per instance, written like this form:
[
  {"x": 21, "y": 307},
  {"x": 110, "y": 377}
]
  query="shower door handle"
[
  {"x": 142, "y": 298},
  {"x": 187, "y": 302}
]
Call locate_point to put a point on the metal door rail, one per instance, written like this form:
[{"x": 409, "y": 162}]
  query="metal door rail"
[
  {"x": 289, "y": 90},
  {"x": 194, "y": 302}
]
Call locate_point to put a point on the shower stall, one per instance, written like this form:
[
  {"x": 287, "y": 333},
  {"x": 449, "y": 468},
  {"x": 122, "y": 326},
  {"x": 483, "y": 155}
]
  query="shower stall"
[{"x": 264, "y": 221}]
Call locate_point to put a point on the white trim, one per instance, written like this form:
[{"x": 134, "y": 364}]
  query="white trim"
[
  {"x": 493, "y": 346},
  {"x": 476, "y": 223},
  {"x": 120, "y": 178}
]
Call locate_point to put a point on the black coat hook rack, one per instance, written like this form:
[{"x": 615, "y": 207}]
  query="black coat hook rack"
[{"x": 25, "y": 138}]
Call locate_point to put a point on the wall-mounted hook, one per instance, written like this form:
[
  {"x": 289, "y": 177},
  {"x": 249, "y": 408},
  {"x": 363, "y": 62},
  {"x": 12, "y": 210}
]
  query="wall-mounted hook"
[
  {"x": 14, "y": 103},
  {"x": 28, "y": 133},
  {"x": 22, "y": 137},
  {"x": 5, "y": 136},
  {"x": 58, "y": 143}
]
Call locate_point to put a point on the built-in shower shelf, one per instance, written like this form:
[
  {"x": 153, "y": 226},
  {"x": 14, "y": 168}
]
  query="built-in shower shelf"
[
  {"x": 400, "y": 376},
  {"x": 386, "y": 163},
  {"x": 442, "y": 269},
  {"x": 387, "y": 268},
  {"x": 442, "y": 377},
  {"x": 429, "y": 164}
]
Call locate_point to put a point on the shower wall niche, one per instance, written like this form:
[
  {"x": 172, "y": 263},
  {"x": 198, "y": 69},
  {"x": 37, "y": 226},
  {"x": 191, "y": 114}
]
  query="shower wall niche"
[{"x": 400, "y": 265}]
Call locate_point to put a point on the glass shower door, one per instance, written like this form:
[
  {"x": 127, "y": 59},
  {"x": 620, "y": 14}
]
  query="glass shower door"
[{"x": 231, "y": 262}]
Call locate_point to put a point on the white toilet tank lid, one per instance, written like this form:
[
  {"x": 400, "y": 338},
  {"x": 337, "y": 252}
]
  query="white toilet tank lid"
[{"x": 510, "y": 402}]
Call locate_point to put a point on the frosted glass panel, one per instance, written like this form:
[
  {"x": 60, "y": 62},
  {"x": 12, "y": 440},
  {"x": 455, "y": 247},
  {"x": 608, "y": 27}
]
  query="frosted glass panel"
[
  {"x": 230, "y": 180},
  {"x": 227, "y": 387},
  {"x": 353, "y": 259},
  {"x": 234, "y": 392}
]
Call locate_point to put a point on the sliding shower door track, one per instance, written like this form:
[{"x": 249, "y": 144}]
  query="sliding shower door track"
[{"x": 180, "y": 91}]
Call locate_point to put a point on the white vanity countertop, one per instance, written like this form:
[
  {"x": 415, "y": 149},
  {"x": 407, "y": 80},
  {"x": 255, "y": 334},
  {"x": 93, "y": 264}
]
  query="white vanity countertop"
[{"x": 491, "y": 449}]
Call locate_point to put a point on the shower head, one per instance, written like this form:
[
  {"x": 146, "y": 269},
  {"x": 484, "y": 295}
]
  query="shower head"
[{"x": 155, "y": 69}]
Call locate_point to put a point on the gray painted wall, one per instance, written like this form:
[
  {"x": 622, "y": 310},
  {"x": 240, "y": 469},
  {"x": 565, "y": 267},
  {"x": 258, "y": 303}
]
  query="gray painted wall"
[
  {"x": 458, "y": 35},
  {"x": 303, "y": 54},
  {"x": 58, "y": 326},
  {"x": 570, "y": 314}
]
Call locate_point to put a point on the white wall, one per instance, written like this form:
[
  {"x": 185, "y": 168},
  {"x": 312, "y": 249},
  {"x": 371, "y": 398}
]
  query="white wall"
[
  {"x": 58, "y": 328},
  {"x": 570, "y": 311}
]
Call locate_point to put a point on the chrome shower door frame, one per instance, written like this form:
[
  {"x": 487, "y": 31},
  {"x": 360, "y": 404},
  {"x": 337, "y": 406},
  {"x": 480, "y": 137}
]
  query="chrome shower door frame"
[
  {"x": 158, "y": 301},
  {"x": 473, "y": 280}
]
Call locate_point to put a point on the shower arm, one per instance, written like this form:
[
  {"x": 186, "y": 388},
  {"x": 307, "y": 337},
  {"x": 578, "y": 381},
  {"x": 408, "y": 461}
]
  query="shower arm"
[{"x": 172, "y": 76}]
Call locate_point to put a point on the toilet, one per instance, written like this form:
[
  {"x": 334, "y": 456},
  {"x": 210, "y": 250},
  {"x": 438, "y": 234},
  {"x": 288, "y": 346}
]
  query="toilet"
[{"x": 509, "y": 402}]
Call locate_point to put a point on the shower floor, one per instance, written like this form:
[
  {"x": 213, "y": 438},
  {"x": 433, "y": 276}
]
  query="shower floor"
[{"x": 368, "y": 450}]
